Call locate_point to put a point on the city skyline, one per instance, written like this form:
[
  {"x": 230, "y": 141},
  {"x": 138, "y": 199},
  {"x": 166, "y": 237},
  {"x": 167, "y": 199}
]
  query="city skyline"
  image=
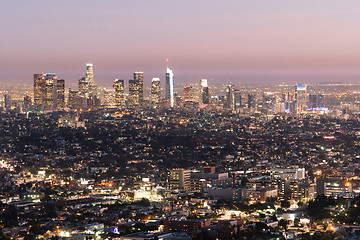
[{"x": 239, "y": 41}]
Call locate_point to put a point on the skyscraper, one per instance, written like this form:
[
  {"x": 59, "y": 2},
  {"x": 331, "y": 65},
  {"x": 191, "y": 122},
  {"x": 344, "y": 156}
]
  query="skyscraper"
[
  {"x": 119, "y": 92},
  {"x": 49, "y": 92},
  {"x": 313, "y": 101},
  {"x": 251, "y": 101},
  {"x": 321, "y": 101},
  {"x": 134, "y": 93},
  {"x": 229, "y": 97},
  {"x": 60, "y": 100},
  {"x": 7, "y": 102},
  {"x": 204, "y": 93},
  {"x": 139, "y": 78},
  {"x": 87, "y": 85},
  {"x": 300, "y": 97},
  {"x": 169, "y": 87},
  {"x": 39, "y": 91},
  {"x": 155, "y": 92},
  {"x": 237, "y": 100},
  {"x": 188, "y": 94}
]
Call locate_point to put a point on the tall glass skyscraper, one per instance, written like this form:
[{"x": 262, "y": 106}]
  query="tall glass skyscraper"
[
  {"x": 139, "y": 79},
  {"x": 155, "y": 92},
  {"x": 119, "y": 92},
  {"x": 169, "y": 87}
]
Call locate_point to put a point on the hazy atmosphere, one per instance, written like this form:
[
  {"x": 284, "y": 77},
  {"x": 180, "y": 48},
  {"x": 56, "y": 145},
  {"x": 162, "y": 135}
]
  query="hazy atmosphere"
[{"x": 242, "y": 41}]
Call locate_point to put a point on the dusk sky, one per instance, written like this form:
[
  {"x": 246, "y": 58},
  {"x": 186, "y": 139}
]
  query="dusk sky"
[{"x": 242, "y": 41}]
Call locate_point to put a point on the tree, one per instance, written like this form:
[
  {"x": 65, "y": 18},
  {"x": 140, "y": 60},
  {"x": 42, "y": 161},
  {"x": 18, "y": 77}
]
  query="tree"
[
  {"x": 283, "y": 224},
  {"x": 285, "y": 204}
]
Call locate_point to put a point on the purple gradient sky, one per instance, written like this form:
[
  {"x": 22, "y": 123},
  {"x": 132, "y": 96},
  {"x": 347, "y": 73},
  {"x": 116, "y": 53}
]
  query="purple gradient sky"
[{"x": 245, "y": 41}]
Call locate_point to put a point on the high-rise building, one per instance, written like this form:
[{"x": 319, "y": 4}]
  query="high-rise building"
[
  {"x": 155, "y": 92},
  {"x": 60, "y": 100},
  {"x": 89, "y": 74},
  {"x": 27, "y": 104},
  {"x": 321, "y": 101},
  {"x": 39, "y": 91},
  {"x": 204, "y": 93},
  {"x": 251, "y": 101},
  {"x": 76, "y": 100},
  {"x": 237, "y": 100},
  {"x": 88, "y": 88},
  {"x": 134, "y": 93},
  {"x": 86, "y": 84},
  {"x": 229, "y": 97},
  {"x": 7, "y": 102},
  {"x": 169, "y": 87},
  {"x": 139, "y": 78},
  {"x": 300, "y": 97},
  {"x": 119, "y": 92},
  {"x": 49, "y": 91},
  {"x": 188, "y": 94},
  {"x": 313, "y": 101}
]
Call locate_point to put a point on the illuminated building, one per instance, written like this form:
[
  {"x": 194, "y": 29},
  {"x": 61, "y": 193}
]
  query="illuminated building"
[
  {"x": 237, "y": 100},
  {"x": 39, "y": 91},
  {"x": 155, "y": 92},
  {"x": 60, "y": 98},
  {"x": 251, "y": 101},
  {"x": 7, "y": 102},
  {"x": 300, "y": 97},
  {"x": 169, "y": 87},
  {"x": 179, "y": 179},
  {"x": 133, "y": 93},
  {"x": 76, "y": 100},
  {"x": 204, "y": 94},
  {"x": 119, "y": 92},
  {"x": 139, "y": 77},
  {"x": 321, "y": 101},
  {"x": 229, "y": 97},
  {"x": 188, "y": 93},
  {"x": 136, "y": 89},
  {"x": 49, "y": 92},
  {"x": 88, "y": 88}
]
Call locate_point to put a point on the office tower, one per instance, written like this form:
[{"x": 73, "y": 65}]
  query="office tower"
[
  {"x": 204, "y": 94},
  {"x": 89, "y": 74},
  {"x": 237, "y": 100},
  {"x": 179, "y": 179},
  {"x": 46, "y": 91},
  {"x": 229, "y": 97},
  {"x": 87, "y": 85},
  {"x": 133, "y": 93},
  {"x": 7, "y": 102},
  {"x": 313, "y": 101},
  {"x": 119, "y": 92},
  {"x": 50, "y": 91},
  {"x": 251, "y": 101},
  {"x": 155, "y": 92},
  {"x": 39, "y": 91},
  {"x": 60, "y": 93},
  {"x": 169, "y": 87},
  {"x": 300, "y": 97},
  {"x": 139, "y": 78},
  {"x": 188, "y": 93},
  {"x": 321, "y": 101}
]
